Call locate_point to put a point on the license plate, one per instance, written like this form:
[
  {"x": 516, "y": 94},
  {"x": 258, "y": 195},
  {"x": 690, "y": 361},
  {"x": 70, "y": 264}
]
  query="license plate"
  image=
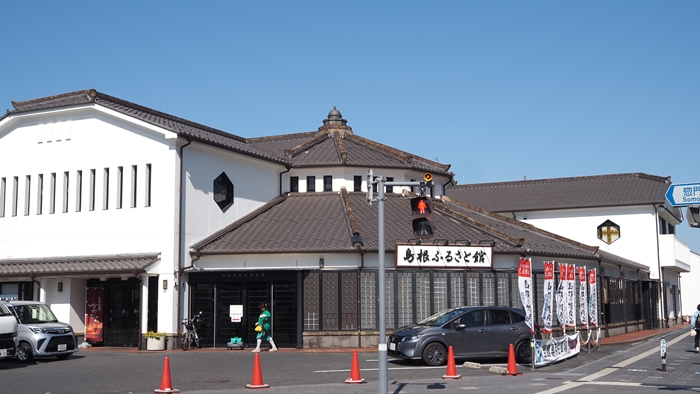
[
  {"x": 392, "y": 346},
  {"x": 62, "y": 347},
  {"x": 3, "y": 352}
]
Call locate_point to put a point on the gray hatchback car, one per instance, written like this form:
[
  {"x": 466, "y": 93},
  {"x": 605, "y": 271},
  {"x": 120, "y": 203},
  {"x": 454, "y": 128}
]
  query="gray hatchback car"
[
  {"x": 40, "y": 333},
  {"x": 473, "y": 332}
]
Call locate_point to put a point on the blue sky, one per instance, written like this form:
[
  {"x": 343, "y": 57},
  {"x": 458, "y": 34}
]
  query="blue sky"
[{"x": 499, "y": 89}]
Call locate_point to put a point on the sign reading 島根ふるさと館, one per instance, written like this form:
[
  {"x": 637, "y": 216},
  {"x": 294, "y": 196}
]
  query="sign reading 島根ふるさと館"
[{"x": 442, "y": 256}]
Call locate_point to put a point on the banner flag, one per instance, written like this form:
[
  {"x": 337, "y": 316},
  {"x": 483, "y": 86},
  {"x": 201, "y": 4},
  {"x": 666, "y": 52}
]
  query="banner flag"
[
  {"x": 525, "y": 287},
  {"x": 593, "y": 303},
  {"x": 582, "y": 296},
  {"x": 94, "y": 309},
  {"x": 570, "y": 296},
  {"x": 548, "y": 296},
  {"x": 561, "y": 294},
  {"x": 556, "y": 349}
]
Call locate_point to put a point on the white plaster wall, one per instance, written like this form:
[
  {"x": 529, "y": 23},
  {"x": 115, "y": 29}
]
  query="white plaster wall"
[
  {"x": 278, "y": 261},
  {"x": 82, "y": 140},
  {"x": 638, "y": 232},
  {"x": 255, "y": 182},
  {"x": 690, "y": 288},
  {"x": 345, "y": 177}
]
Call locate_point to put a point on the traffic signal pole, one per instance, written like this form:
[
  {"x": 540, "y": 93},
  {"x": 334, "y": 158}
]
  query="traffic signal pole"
[{"x": 382, "y": 346}]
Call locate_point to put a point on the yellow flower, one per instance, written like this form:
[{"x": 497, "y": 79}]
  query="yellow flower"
[{"x": 155, "y": 335}]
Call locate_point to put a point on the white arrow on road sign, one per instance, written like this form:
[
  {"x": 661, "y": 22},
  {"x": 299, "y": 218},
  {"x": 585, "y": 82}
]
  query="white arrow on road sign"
[{"x": 683, "y": 194}]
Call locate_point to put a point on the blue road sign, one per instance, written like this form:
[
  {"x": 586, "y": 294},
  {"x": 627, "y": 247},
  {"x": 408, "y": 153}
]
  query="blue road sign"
[{"x": 684, "y": 194}]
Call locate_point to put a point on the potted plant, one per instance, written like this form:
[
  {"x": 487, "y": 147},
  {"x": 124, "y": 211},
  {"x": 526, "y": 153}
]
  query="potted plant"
[{"x": 155, "y": 340}]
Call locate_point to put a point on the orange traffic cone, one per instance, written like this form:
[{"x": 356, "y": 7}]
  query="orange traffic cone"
[
  {"x": 451, "y": 368},
  {"x": 512, "y": 366},
  {"x": 257, "y": 382},
  {"x": 355, "y": 371},
  {"x": 165, "y": 385}
]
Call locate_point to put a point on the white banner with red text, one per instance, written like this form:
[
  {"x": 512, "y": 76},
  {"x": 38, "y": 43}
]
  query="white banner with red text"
[{"x": 549, "y": 351}]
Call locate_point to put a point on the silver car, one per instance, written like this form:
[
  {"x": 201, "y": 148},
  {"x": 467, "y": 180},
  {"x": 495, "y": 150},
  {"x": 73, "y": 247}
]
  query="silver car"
[
  {"x": 473, "y": 332},
  {"x": 40, "y": 333}
]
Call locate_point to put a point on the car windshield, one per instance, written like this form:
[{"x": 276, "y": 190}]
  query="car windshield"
[
  {"x": 34, "y": 314},
  {"x": 441, "y": 318},
  {"x": 4, "y": 311}
]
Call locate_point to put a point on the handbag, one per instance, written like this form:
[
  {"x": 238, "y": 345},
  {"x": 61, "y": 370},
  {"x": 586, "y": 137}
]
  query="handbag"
[
  {"x": 259, "y": 329},
  {"x": 693, "y": 332}
]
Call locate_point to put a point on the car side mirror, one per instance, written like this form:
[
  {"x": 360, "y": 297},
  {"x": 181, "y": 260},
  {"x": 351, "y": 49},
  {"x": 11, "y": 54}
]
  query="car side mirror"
[{"x": 460, "y": 326}]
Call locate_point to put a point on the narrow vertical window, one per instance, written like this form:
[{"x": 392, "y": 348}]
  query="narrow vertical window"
[
  {"x": 294, "y": 184},
  {"x": 91, "y": 199},
  {"x": 327, "y": 183},
  {"x": 27, "y": 194},
  {"x": 310, "y": 183},
  {"x": 79, "y": 191},
  {"x": 120, "y": 186},
  {"x": 3, "y": 184},
  {"x": 357, "y": 183},
  {"x": 148, "y": 185},
  {"x": 66, "y": 185},
  {"x": 105, "y": 190},
  {"x": 40, "y": 194},
  {"x": 52, "y": 194},
  {"x": 389, "y": 189},
  {"x": 15, "y": 192},
  {"x": 134, "y": 174}
]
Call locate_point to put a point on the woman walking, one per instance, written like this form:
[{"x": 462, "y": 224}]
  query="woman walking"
[
  {"x": 264, "y": 329},
  {"x": 695, "y": 324}
]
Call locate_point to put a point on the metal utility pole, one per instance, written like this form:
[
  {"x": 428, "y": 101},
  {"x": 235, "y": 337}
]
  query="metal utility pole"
[{"x": 382, "y": 346}]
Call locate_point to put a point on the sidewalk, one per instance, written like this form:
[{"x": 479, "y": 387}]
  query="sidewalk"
[
  {"x": 642, "y": 335},
  {"x": 630, "y": 337}
]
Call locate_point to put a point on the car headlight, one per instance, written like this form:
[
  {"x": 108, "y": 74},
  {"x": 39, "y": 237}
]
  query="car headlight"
[
  {"x": 416, "y": 336},
  {"x": 36, "y": 330}
]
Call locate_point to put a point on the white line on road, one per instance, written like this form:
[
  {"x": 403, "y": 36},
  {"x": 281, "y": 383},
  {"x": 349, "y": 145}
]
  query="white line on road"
[{"x": 606, "y": 371}]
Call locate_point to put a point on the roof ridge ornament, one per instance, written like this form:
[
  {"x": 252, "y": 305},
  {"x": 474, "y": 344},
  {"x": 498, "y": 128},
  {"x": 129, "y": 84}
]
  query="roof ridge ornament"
[{"x": 335, "y": 122}]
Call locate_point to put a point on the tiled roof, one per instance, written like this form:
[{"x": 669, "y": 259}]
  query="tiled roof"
[
  {"x": 334, "y": 144},
  {"x": 78, "y": 265},
  {"x": 563, "y": 193},
  {"x": 183, "y": 127},
  {"x": 311, "y": 222},
  {"x": 338, "y": 145}
]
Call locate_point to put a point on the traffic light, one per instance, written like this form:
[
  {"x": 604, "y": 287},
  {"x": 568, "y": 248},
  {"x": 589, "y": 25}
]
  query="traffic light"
[{"x": 422, "y": 208}]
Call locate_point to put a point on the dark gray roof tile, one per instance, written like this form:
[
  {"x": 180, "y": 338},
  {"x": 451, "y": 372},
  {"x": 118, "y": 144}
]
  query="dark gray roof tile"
[
  {"x": 78, "y": 265},
  {"x": 565, "y": 193},
  {"x": 311, "y": 222}
]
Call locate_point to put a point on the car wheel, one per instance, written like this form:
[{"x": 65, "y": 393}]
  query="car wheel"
[
  {"x": 523, "y": 352},
  {"x": 63, "y": 356},
  {"x": 434, "y": 354},
  {"x": 24, "y": 352}
]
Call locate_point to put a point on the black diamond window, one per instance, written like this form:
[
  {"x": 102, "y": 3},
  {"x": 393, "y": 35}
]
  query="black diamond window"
[
  {"x": 608, "y": 232},
  {"x": 223, "y": 192}
]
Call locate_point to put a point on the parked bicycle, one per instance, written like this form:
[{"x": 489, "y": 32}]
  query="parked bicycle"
[{"x": 189, "y": 337}]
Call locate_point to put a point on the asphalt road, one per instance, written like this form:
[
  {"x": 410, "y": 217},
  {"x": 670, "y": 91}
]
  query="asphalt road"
[{"x": 221, "y": 371}]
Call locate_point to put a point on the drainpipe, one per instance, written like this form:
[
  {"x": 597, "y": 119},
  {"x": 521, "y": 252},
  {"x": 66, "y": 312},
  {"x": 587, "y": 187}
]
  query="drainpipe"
[
  {"x": 180, "y": 269},
  {"x": 359, "y": 291},
  {"x": 283, "y": 172},
  {"x": 37, "y": 292},
  {"x": 661, "y": 275},
  {"x": 601, "y": 310},
  {"x": 680, "y": 299},
  {"x": 451, "y": 180}
]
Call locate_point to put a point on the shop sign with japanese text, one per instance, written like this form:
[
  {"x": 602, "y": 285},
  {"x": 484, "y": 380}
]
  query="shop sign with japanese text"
[{"x": 440, "y": 256}]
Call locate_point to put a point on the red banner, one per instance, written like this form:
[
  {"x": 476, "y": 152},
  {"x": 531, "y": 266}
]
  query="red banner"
[{"x": 94, "y": 308}]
